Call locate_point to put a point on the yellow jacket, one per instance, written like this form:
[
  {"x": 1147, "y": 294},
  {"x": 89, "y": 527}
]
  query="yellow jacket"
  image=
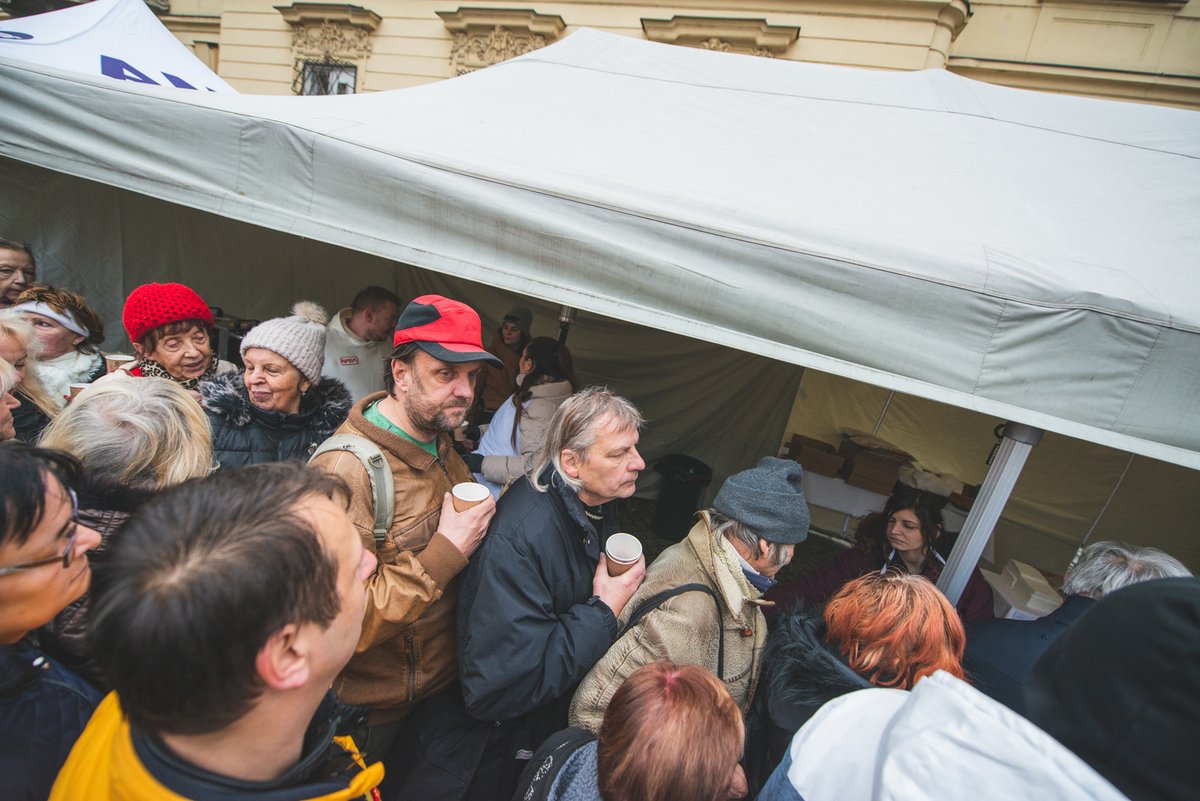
[{"x": 103, "y": 766}]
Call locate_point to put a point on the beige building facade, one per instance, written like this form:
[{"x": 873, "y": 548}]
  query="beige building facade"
[{"x": 1136, "y": 50}]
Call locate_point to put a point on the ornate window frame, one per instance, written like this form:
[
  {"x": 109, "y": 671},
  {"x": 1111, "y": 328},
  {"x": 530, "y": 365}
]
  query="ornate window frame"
[
  {"x": 330, "y": 33},
  {"x": 487, "y": 36}
]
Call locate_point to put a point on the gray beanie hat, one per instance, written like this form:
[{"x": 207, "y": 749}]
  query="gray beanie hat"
[
  {"x": 300, "y": 338},
  {"x": 769, "y": 500}
]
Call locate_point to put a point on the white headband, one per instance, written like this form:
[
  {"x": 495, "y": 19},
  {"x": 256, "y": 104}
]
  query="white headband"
[{"x": 65, "y": 318}]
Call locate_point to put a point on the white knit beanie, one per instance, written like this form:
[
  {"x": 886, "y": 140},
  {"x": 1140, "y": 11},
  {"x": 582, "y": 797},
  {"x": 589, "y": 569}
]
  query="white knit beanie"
[{"x": 300, "y": 338}]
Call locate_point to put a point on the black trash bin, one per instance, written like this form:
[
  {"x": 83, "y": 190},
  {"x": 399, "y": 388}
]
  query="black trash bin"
[{"x": 683, "y": 482}]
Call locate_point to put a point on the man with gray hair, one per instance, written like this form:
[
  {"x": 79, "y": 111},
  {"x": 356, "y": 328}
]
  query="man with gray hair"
[
  {"x": 537, "y": 606},
  {"x": 1000, "y": 652},
  {"x": 723, "y": 567}
]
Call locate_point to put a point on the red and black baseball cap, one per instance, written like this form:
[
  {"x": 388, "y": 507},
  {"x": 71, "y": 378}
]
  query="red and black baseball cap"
[{"x": 445, "y": 329}]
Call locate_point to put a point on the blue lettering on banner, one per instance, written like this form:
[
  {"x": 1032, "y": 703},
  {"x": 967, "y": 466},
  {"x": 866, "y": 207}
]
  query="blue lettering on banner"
[
  {"x": 177, "y": 82},
  {"x": 116, "y": 68},
  {"x": 18, "y": 35}
]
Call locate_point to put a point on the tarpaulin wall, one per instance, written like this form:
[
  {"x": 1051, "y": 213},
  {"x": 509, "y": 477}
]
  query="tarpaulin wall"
[
  {"x": 1062, "y": 490},
  {"x": 722, "y": 406}
]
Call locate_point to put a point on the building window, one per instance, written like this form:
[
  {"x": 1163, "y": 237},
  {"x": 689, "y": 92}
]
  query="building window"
[{"x": 328, "y": 78}]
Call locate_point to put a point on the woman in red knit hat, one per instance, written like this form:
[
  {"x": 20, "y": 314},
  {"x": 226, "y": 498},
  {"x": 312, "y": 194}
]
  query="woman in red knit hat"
[{"x": 170, "y": 327}]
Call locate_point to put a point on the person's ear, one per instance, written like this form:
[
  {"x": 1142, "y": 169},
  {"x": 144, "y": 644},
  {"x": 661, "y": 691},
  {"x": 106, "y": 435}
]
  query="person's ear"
[
  {"x": 570, "y": 462},
  {"x": 77, "y": 340},
  {"x": 139, "y": 349},
  {"x": 764, "y": 548},
  {"x": 283, "y": 661},
  {"x": 400, "y": 374}
]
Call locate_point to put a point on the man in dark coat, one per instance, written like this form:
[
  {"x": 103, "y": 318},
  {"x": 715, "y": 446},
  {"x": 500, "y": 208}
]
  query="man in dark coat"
[
  {"x": 1000, "y": 652},
  {"x": 1121, "y": 689},
  {"x": 538, "y": 607}
]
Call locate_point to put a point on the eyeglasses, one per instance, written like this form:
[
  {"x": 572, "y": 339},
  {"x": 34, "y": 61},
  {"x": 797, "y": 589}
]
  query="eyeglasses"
[{"x": 68, "y": 555}]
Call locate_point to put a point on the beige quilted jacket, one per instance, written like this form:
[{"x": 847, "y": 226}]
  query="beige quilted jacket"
[{"x": 684, "y": 629}]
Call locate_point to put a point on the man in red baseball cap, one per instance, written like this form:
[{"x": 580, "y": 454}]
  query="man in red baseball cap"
[{"x": 406, "y": 653}]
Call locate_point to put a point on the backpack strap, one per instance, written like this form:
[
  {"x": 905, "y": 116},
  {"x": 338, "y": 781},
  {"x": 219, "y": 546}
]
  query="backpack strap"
[
  {"x": 383, "y": 484},
  {"x": 654, "y": 601}
]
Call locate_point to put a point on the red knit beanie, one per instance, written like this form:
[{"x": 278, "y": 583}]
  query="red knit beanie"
[{"x": 152, "y": 305}]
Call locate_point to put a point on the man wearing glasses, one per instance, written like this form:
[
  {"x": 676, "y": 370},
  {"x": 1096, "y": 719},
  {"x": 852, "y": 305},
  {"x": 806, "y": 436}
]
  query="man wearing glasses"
[{"x": 43, "y": 567}]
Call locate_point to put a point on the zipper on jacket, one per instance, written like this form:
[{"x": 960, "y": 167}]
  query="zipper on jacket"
[{"x": 412, "y": 666}]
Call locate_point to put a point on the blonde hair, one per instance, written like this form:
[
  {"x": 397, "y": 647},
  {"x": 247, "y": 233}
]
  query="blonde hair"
[
  {"x": 13, "y": 324},
  {"x": 144, "y": 433},
  {"x": 8, "y": 377}
]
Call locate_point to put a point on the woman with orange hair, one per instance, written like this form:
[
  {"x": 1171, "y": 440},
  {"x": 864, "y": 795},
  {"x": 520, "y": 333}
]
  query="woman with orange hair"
[
  {"x": 670, "y": 733},
  {"x": 886, "y": 629}
]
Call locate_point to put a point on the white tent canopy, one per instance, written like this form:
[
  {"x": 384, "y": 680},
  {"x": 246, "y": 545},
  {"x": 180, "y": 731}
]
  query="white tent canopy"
[
  {"x": 1030, "y": 256},
  {"x": 117, "y": 39}
]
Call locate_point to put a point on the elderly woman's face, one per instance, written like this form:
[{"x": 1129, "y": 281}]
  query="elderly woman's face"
[
  {"x": 53, "y": 337},
  {"x": 274, "y": 385},
  {"x": 184, "y": 356}
]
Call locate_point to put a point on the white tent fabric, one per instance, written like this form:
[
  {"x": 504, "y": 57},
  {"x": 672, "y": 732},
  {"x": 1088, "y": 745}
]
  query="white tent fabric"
[
  {"x": 116, "y": 39},
  {"x": 1030, "y": 256}
]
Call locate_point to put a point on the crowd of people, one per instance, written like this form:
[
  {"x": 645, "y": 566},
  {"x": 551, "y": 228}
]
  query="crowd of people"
[{"x": 254, "y": 582}]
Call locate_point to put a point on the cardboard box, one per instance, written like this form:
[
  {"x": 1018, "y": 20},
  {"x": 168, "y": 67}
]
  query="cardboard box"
[
  {"x": 814, "y": 455},
  {"x": 870, "y": 469}
]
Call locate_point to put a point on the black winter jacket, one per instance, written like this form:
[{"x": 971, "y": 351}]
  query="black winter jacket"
[
  {"x": 104, "y": 508},
  {"x": 529, "y": 628},
  {"x": 43, "y": 709},
  {"x": 244, "y": 434},
  {"x": 800, "y": 674}
]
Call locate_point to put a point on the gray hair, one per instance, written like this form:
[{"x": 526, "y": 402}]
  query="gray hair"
[
  {"x": 10, "y": 244},
  {"x": 1106, "y": 567},
  {"x": 731, "y": 529},
  {"x": 575, "y": 425},
  {"x": 144, "y": 433}
]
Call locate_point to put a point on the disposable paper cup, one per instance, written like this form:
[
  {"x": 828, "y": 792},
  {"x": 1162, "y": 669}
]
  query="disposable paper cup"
[
  {"x": 623, "y": 552},
  {"x": 76, "y": 388},
  {"x": 115, "y": 361},
  {"x": 468, "y": 494}
]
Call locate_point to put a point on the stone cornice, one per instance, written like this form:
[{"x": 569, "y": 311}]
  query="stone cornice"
[
  {"x": 522, "y": 21},
  {"x": 746, "y": 35},
  {"x": 303, "y": 14}
]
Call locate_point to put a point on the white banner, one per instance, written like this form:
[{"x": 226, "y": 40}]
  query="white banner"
[{"x": 120, "y": 39}]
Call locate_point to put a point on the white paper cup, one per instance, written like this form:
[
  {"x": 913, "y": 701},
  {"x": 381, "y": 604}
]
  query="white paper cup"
[
  {"x": 468, "y": 494},
  {"x": 623, "y": 552},
  {"x": 115, "y": 361}
]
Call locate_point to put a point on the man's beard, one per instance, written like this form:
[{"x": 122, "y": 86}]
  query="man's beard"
[{"x": 428, "y": 420}]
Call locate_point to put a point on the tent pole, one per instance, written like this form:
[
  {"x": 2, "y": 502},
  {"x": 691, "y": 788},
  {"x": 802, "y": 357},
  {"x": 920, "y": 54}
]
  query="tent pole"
[
  {"x": 1092, "y": 529},
  {"x": 1018, "y": 441},
  {"x": 887, "y": 404}
]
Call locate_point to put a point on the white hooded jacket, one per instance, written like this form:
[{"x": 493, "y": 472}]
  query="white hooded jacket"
[{"x": 944, "y": 741}]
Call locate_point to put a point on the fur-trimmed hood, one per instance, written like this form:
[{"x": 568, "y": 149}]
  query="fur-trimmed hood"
[
  {"x": 325, "y": 405},
  {"x": 801, "y": 672}
]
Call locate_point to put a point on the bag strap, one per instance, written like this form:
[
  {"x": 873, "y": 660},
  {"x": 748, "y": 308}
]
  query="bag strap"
[
  {"x": 654, "y": 601},
  {"x": 383, "y": 485}
]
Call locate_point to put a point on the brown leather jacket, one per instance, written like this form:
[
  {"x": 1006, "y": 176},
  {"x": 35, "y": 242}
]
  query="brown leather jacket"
[{"x": 407, "y": 648}]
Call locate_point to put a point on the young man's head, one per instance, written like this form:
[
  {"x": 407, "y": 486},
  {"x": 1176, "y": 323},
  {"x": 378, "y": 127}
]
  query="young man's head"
[
  {"x": 43, "y": 566},
  {"x": 438, "y": 355},
  {"x": 373, "y": 313},
  {"x": 226, "y": 591}
]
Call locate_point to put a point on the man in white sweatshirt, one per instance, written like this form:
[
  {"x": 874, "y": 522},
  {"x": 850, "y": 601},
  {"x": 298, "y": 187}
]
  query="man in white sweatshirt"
[{"x": 358, "y": 340}]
